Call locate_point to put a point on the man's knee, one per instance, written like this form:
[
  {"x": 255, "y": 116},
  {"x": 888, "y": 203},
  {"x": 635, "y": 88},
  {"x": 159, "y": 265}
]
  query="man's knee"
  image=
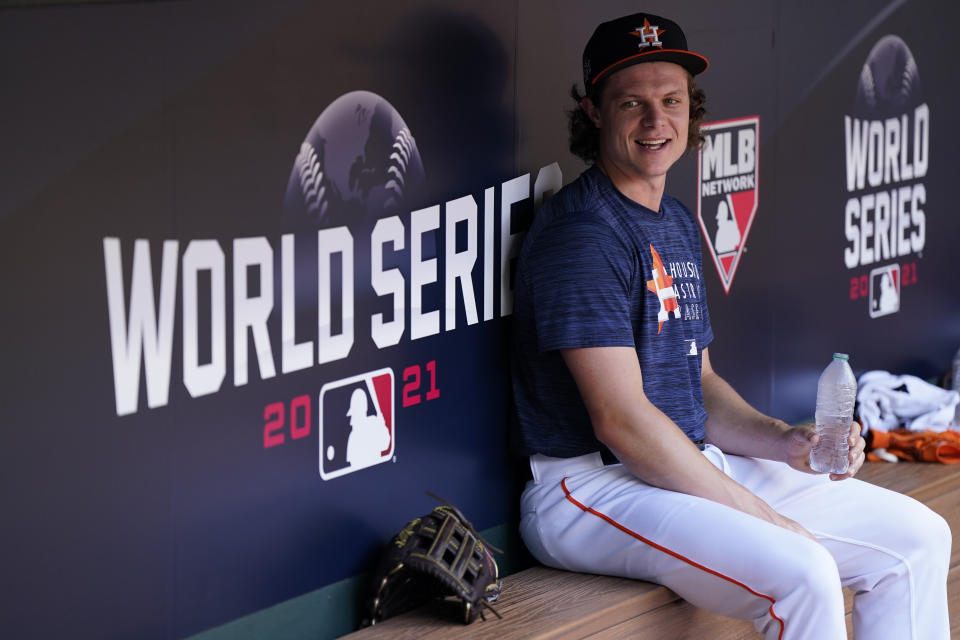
[
  {"x": 815, "y": 572},
  {"x": 912, "y": 528},
  {"x": 917, "y": 538},
  {"x": 928, "y": 536},
  {"x": 809, "y": 594}
]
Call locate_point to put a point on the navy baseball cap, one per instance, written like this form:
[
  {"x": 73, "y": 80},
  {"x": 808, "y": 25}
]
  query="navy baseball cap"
[{"x": 641, "y": 37}]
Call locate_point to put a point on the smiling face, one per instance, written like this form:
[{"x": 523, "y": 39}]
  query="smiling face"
[{"x": 643, "y": 118}]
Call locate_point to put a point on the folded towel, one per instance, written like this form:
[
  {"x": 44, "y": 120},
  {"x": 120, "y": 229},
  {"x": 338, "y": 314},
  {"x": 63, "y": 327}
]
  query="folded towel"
[{"x": 889, "y": 402}]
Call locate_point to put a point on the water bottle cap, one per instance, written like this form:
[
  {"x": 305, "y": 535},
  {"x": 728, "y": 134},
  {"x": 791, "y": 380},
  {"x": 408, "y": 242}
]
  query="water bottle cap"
[{"x": 841, "y": 356}]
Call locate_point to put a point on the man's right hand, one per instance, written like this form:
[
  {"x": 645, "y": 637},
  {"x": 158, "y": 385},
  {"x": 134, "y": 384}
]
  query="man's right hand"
[{"x": 782, "y": 521}]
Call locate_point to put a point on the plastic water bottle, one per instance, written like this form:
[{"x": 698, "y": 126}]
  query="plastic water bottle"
[{"x": 836, "y": 393}]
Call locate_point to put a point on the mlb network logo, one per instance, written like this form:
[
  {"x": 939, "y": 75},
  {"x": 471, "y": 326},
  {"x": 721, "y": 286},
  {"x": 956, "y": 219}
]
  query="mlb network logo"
[
  {"x": 356, "y": 423},
  {"x": 728, "y": 190}
]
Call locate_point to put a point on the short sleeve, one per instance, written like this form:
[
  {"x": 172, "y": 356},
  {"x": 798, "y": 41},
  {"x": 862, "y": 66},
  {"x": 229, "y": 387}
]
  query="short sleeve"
[{"x": 580, "y": 276}]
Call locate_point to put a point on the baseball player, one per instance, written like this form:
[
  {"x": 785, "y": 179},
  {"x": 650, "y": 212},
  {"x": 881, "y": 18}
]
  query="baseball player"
[{"x": 645, "y": 463}]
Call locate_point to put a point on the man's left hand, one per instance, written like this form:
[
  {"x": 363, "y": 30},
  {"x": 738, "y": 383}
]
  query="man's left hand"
[
  {"x": 857, "y": 454},
  {"x": 799, "y": 441}
]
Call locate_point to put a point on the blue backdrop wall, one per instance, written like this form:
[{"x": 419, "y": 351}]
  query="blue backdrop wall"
[{"x": 231, "y": 233}]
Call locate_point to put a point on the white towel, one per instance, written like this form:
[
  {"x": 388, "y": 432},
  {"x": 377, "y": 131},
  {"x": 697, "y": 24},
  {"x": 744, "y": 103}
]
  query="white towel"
[{"x": 891, "y": 402}]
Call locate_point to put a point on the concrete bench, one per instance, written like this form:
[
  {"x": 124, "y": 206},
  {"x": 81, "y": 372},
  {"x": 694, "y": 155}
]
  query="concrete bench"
[{"x": 541, "y": 603}]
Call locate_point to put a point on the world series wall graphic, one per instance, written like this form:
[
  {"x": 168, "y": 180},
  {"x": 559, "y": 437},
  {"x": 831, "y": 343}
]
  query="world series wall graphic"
[
  {"x": 342, "y": 262},
  {"x": 887, "y": 144}
]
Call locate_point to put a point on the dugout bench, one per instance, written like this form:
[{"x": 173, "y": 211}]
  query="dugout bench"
[{"x": 541, "y": 603}]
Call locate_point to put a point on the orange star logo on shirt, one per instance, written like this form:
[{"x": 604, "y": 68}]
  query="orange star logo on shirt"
[{"x": 662, "y": 285}]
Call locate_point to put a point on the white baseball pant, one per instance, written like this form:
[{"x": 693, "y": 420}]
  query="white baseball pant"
[{"x": 890, "y": 550}]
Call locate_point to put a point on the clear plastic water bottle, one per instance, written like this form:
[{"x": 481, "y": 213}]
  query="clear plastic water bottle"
[{"x": 836, "y": 393}]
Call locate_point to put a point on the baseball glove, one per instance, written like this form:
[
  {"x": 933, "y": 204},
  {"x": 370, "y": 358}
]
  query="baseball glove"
[{"x": 436, "y": 556}]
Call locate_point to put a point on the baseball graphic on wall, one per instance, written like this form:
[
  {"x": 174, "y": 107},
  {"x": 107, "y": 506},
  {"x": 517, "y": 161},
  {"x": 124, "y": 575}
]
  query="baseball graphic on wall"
[
  {"x": 889, "y": 80},
  {"x": 358, "y": 162}
]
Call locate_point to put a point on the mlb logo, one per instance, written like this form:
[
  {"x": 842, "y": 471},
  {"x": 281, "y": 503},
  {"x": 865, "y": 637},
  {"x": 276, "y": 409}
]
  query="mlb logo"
[
  {"x": 884, "y": 290},
  {"x": 728, "y": 190},
  {"x": 356, "y": 423}
]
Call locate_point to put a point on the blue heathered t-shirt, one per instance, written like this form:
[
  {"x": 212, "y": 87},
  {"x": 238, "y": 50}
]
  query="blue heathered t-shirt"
[{"x": 597, "y": 269}]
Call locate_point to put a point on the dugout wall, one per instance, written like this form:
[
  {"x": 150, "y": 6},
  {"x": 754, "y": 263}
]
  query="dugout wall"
[{"x": 231, "y": 232}]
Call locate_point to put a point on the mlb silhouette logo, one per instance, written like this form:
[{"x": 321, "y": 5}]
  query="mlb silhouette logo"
[
  {"x": 356, "y": 423},
  {"x": 728, "y": 181},
  {"x": 884, "y": 290}
]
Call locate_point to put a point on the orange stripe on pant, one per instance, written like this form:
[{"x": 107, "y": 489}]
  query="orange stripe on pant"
[{"x": 676, "y": 555}]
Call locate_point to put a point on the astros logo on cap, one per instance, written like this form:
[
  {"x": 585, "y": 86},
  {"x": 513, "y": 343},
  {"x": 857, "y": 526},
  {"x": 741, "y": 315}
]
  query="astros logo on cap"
[{"x": 649, "y": 35}]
